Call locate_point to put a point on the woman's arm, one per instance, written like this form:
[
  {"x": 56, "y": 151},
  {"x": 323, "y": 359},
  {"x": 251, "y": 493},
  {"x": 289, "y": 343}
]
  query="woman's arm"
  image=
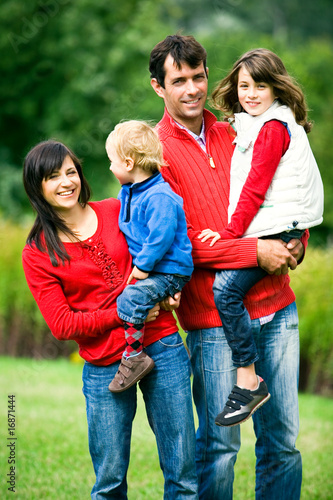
[{"x": 63, "y": 321}]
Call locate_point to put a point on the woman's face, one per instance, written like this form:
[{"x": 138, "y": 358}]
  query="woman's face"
[{"x": 61, "y": 189}]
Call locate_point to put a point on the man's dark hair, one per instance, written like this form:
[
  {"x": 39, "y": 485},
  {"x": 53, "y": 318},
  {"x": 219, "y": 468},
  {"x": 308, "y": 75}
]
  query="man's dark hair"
[{"x": 183, "y": 49}]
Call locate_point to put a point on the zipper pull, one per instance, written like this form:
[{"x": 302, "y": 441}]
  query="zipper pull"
[{"x": 211, "y": 161}]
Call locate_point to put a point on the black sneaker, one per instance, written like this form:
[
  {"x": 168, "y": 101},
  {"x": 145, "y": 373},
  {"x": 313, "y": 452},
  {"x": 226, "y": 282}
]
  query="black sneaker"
[{"x": 242, "y": 403}]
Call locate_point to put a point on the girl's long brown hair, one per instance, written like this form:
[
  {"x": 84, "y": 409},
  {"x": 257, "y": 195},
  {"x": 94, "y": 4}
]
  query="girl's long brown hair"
[{"x": 266, "y": 67}]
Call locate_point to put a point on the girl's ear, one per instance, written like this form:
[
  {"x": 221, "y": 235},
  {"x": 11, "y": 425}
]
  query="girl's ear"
[{"x": 129, "y": 164}]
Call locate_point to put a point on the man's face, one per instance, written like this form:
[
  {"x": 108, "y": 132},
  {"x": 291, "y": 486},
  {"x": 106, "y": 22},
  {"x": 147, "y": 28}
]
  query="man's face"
[{"x": 185, "y": 93}]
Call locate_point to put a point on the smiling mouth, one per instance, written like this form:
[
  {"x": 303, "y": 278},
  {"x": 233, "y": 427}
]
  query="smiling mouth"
[
  {"x": 66, "y": 193},
  {"x": 192, "y": 101}
]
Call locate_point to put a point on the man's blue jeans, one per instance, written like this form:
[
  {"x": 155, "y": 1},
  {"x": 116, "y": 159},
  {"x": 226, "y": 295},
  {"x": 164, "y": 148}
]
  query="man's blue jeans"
[
  {"x": 168, "y": 399},
  {"x": 276, "y": 424}
]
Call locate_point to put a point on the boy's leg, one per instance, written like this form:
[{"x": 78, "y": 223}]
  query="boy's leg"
[{"x": 133, "y": 307}]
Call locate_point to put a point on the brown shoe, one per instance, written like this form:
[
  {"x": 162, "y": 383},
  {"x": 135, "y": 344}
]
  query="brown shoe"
[{"x": 130, "y": 371}]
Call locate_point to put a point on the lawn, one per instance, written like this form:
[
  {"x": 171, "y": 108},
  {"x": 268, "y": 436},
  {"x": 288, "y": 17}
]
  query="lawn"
[{"x": 51, "y": 451}]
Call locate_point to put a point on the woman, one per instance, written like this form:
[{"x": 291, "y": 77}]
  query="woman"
[{"x": 76, "y": 263}]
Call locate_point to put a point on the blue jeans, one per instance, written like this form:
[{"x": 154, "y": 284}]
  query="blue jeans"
[
  {"x": 230, "y": 288},
  {"x": 278, "y": 464},
  {"x": 168, "y": 400},
  {"x": 136, "y": 300}
]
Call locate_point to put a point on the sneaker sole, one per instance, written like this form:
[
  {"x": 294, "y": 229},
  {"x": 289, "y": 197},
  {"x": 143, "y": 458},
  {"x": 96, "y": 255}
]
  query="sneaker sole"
[{"x": 249, "y": 415}]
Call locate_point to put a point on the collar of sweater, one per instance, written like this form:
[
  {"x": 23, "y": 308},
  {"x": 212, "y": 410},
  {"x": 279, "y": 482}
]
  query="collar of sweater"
[
  {"x": 146, "y": 184},
  {"x": 169, "y": 126}
]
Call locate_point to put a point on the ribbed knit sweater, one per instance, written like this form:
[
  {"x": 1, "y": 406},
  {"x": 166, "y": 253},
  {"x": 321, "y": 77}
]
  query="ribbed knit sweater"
[
  {"x": 202, "y": 180},
  {"x": 78, "y": 299}
]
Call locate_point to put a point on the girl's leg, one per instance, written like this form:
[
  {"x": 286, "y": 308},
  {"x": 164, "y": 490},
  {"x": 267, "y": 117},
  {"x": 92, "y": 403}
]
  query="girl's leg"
[{"x": 229, "y": 288}]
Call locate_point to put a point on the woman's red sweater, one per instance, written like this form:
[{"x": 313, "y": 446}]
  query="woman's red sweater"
[{"x": 78, "y": 299}]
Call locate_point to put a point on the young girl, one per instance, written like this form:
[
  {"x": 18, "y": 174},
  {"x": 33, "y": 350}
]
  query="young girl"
[
  {"x": 153, "y": 222},
  {"x": 275, "y": 191},
  {"x": 76, "y": 262}
]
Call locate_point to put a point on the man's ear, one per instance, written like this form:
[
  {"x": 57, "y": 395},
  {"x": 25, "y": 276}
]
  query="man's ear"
[
  {"x": 207, "y": 71},
  {"x": 157, "y": 87}
]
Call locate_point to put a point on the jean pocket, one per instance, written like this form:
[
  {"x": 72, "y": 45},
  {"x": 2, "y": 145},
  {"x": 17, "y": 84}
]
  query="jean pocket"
[
  {"x": 291, "y": 317},
  {"x": 173, "y": 340}
]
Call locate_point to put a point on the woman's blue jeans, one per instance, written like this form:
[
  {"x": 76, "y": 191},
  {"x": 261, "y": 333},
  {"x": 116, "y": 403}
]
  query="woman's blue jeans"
[
  {"x": 168, "y": 399},
  {"x": 276, "y": 423}
]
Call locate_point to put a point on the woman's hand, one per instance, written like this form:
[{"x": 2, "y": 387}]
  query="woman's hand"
[
  {"x": 208, "y": 233},
  {"x": 153, "y": 313},
  {"x": 171, "y": 303}
]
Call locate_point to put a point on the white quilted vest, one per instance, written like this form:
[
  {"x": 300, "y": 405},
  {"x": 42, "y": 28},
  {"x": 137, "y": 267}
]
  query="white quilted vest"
[{"x": 295, "y": 197}]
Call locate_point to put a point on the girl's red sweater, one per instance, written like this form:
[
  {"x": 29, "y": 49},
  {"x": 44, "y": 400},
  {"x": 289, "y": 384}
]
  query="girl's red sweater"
[
  {"x": 202, "y": 180},
  {"x": 78, "y": 299}
]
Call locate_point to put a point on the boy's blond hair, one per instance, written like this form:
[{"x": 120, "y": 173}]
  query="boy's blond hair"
[{"x": 136, "y": 139}]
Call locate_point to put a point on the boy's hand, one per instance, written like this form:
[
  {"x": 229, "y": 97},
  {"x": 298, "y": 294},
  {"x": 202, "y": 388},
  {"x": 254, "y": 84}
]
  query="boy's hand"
[
  {"x": 208, "y": 233},
  {"x": 137, "y": 274}
]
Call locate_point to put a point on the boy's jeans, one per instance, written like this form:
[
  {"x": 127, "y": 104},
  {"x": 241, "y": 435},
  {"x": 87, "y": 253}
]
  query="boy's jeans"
[{"x": 136, "y": 300}]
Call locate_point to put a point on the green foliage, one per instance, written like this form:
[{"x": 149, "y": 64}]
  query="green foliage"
[
  {"x": 52, "y": 447},
  {"x": 75, "y": 69},
  {"x": 312, "y": 283},
  {"x": 23, "y": 330}
]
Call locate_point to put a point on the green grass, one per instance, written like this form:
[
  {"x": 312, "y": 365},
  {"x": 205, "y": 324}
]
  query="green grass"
[{"x": 52, "y": 457}]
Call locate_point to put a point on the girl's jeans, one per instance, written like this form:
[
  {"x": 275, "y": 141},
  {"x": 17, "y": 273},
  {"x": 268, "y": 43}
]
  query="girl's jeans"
[{"x": 230, "y": 288}]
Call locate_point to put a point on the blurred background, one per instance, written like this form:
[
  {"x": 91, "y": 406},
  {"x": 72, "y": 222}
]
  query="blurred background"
[{"x": 71, "y": 70}]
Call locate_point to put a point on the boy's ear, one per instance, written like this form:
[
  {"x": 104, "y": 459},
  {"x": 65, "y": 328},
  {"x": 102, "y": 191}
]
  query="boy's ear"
[{"x": 129, "y": 164}]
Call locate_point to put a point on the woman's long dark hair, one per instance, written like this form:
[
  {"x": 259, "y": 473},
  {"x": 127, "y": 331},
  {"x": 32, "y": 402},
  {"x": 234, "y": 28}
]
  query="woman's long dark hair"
[{"x": 45, "y": 158}]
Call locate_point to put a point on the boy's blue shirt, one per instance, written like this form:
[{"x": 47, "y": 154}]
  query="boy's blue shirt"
[{"x": 153, "y": 221}]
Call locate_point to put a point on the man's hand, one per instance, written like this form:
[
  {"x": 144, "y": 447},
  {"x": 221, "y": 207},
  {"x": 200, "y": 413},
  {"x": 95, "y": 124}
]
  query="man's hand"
[
  {"x": 296, "y": 249},
  {"x": 171, "y": 303},
  {"x": 274, "y": 256},
  {"x": 137, "y": 274}
]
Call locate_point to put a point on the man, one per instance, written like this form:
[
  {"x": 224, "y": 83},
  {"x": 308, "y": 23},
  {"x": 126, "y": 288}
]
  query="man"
[{"x": 197, "y": 152}]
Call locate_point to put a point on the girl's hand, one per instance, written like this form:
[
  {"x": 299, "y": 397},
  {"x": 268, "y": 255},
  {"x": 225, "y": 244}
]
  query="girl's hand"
[
  {"x": 171, "y": 303},
  {"x": 153, "y": 313},
  {"x": 137, "y": 274},
  {"x": 208, "y": 233}
]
